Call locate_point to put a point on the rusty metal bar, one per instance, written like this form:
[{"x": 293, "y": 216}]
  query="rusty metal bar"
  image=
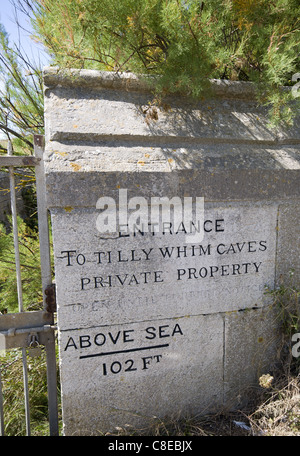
[{"x": 13, "y": 331}]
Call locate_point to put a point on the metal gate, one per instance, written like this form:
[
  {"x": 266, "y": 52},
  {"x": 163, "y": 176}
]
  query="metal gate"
[{"x": 30, "y": 330}]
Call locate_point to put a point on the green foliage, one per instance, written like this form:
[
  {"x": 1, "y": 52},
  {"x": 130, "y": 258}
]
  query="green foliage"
[
  {"x": 286, "y": 298},
  {"x": 21, "y": 95},
  {"x": 183, "y": 42},
  {"x": 30, "y": 269},
  {"x": 29, "y": 199},
  {"x": 13, "y": 393}
]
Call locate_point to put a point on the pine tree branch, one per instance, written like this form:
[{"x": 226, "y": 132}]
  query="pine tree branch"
[{"x": 6, "y": 129}]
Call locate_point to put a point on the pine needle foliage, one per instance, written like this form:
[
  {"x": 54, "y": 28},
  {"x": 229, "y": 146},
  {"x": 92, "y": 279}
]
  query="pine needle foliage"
[
  {"x": 21, "y": 95},
  {"x": 30, "y": 269},
  {"x": 184, "y": 42}
]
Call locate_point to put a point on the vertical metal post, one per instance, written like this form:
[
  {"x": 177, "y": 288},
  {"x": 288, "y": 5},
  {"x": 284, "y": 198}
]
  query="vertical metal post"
[
  {"x": 15, "y": 229},
  {"x": 42, "y": 215},
  {"x": 19, "y": 281},
  {"x": 1, "y": 408},
  {"x": 46, "y": 279}
]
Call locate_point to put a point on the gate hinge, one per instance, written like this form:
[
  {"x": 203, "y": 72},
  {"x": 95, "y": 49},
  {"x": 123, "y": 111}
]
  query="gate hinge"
[{"x": 50, "y": 293}]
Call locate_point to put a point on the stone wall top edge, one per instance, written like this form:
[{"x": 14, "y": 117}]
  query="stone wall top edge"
[{"x": 96, "y": 79}]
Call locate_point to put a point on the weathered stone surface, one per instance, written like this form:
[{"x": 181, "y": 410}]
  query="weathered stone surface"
[
  {"x": 158, "y": 325},
  {"x": 233, "y": 185},
  {"x": 288, "y": 249},
  {"x": 245, "y": 362},
  {"x": 143, "y": 277},
  {"x": 143, "y": 370}
]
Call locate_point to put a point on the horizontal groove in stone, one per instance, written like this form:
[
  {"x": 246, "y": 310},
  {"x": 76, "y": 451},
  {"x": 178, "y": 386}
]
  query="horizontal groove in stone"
[{"x": 145, "y": 140}]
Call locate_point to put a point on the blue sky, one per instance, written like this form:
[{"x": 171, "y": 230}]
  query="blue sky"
[{"x": 31, "y": 48}]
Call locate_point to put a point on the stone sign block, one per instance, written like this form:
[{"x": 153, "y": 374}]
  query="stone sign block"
[
  {"x": 129, "y": 374},
  {"x": 158, "y": 322},
  {"x": 151, "y": 275}
]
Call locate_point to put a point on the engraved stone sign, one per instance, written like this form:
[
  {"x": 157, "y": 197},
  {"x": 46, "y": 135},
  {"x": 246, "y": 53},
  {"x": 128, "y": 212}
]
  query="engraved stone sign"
[
  {"x": 159, "y": 322},
  {"x": 152, "y": 275}
]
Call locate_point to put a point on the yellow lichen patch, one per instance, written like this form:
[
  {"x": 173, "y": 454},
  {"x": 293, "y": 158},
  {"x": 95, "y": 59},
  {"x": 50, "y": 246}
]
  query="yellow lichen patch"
[
  {"x": 75, "y": 126},
  {"x": 147, "y": 155},
  {"x": 170, "y": 160},
  {"x": 62, "y": 154},
  {"x": 68, "y": 208},
  {"x": 75, "y": 166},
  {"x": 140, "y": 162}
]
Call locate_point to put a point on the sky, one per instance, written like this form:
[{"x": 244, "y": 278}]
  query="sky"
[{"x": 31, "y": 48}]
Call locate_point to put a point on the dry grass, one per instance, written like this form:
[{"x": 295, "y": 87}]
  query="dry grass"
[
  {"x": 273, "y": 409},
  {"x": 279, "y": 414}
]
